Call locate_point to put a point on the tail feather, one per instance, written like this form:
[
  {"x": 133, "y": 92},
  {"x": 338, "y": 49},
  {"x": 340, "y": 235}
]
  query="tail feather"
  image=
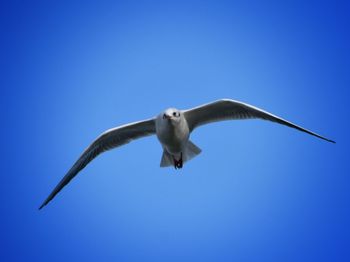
[
  {"x": 167, "y": 159},
  {"x": 190, "y": 152}
]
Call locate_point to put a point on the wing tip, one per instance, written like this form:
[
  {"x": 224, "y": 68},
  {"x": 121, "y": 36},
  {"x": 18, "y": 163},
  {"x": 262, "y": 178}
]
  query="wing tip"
[
  {"x": 42, "y": 205},
  {"x": 45, "y": 202},
  {"x": 326, "y": 139}
]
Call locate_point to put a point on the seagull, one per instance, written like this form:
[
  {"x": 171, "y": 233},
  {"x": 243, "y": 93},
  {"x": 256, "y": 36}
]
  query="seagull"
[{"x": 172, "y": 128}]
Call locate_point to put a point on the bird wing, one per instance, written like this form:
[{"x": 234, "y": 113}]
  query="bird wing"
[
  {"x": 111, "y": 138},
  {"x": 227, "y": 109}
]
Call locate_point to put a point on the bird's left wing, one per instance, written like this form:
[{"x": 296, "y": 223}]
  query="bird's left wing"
[
  {"x": 227, "y": 109},
  {"x": 110, "y": 139}
]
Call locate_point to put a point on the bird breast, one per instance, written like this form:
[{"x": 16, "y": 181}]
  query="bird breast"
[{"x": 173, "y": 136}]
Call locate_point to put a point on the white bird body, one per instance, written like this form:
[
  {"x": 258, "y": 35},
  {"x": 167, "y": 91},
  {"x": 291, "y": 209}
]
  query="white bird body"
[
  {"x": 173, "y": 128},
  {"x": 172, "y": 131}
]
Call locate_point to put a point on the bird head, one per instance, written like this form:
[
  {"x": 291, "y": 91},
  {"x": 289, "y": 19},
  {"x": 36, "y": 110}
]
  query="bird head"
[{"x": 172, "y": 115}]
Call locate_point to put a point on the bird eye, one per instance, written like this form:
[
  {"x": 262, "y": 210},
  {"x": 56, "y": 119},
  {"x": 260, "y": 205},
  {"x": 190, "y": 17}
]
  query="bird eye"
[{"x": 174, "y": 114}]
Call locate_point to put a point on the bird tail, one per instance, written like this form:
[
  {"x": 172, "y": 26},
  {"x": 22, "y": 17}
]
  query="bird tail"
[
  {"x": 190, "y": 152},
  {"x": 167, "y": 159}
]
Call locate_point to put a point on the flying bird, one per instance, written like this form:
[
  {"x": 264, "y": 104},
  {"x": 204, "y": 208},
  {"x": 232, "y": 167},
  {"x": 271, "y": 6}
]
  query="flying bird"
[{"x": 173, "y": 128}]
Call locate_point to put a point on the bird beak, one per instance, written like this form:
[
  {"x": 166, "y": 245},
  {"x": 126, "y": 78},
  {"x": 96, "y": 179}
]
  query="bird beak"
[{"x": 165, "y": 116}]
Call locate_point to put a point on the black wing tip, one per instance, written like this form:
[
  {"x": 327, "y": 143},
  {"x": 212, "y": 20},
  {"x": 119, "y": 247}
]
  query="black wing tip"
[
  {"x": 328, "y": 140},
  {"x": 42, "y": 205},
  {"x": 45, "y": 203}
]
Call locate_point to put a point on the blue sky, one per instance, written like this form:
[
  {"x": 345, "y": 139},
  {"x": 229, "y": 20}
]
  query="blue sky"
[{"x": 257, "y": 192}]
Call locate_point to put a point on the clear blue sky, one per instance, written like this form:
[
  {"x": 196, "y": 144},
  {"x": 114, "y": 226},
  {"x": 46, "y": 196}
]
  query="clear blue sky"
[{"x": 258, "y": 191}]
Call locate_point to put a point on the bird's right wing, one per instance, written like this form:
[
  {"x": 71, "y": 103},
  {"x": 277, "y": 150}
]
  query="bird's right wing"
[
  {"x": 112, "y": 138},
  {"x": 227, "y": 109}
]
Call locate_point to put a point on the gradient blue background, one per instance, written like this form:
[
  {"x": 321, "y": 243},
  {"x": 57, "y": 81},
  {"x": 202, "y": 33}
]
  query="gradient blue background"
[{"x": 258, "y": 191}]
